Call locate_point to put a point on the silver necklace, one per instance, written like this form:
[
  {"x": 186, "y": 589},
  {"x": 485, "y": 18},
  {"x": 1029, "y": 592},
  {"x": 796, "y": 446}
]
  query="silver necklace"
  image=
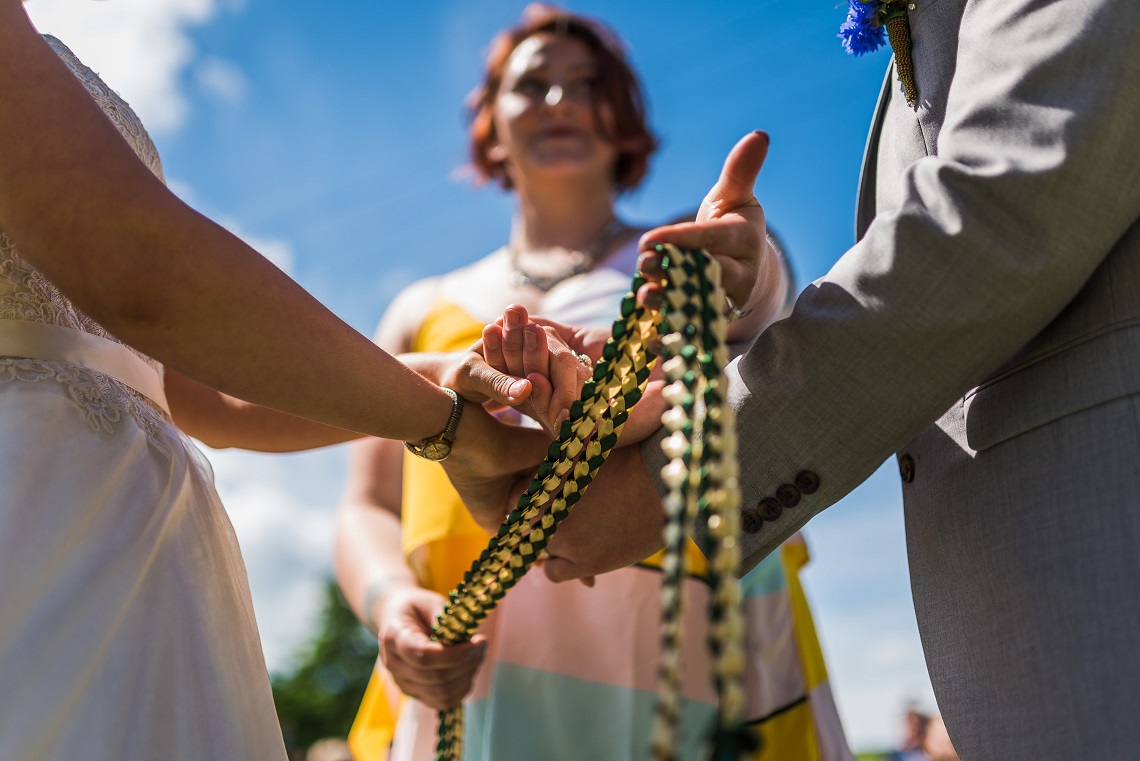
[{"x": 589, "y": 257}]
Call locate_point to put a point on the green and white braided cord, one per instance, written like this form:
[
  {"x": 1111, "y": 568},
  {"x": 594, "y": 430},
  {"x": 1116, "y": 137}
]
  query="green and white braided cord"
[{"x": 701, "y": 476}]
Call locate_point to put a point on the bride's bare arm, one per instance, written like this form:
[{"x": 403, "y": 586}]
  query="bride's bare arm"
[
  {"x": 90, "y": 216},
  {"x": 221, "y": 420}
]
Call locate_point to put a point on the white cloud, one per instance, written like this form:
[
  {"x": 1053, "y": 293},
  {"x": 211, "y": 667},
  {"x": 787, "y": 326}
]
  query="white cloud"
[
  {"x": 222, "y": 80},
  {"x": 139, "y": 47}
]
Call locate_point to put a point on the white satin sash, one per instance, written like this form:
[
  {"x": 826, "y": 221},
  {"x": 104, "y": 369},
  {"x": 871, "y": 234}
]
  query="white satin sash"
[{"x": 55, "y": 343}]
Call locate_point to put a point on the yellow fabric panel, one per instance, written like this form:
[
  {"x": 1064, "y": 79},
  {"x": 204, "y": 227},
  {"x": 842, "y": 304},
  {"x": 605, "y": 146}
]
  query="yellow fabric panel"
[
  {"x": 787, "y": 736},
  {"x": 695, "y": 562},
  {"x": 375, "y": 724},
  {"x": 440, "y": 539},
  {"x": 447, "y": 327},
  {"x": 794, "y": 555}
]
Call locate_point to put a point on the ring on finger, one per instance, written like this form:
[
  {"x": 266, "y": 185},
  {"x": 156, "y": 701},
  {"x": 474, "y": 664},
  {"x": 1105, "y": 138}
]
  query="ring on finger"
[
  {"x": 585, "y": 360},
  {"x": 732, "y": 311}
]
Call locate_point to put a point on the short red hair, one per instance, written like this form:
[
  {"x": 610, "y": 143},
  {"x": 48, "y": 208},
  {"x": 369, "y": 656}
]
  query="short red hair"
[{"x": 618, "y": 87}]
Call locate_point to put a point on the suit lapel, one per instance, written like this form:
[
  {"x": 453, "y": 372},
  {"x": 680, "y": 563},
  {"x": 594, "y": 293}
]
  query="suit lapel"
[{"x": 865, "y": 199}]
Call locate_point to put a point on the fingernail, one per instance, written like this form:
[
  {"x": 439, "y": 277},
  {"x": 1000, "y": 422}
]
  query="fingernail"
[
  {"x": 511, "y": 320},
  {"x": 530, "y": 340},
  {"x": 516, "y": 389},
  {"x": 653, "y": 300},
  {"x": 649, "y": 265}
]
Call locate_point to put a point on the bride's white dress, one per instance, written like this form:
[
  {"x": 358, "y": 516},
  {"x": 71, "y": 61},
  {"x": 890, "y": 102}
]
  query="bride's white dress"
[{"x": 126, "y": 627}]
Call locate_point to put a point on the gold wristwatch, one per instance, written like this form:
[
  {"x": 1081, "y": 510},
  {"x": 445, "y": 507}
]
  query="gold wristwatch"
[{"x": 437, "y": 448}]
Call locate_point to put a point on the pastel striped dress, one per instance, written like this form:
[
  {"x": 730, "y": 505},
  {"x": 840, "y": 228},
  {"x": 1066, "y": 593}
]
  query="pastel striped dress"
[{"x": 571, "y": 672}]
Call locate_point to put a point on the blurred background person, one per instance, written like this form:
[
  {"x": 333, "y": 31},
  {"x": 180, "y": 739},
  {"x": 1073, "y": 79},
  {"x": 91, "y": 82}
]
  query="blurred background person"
[{"x": 558, "y": 671}]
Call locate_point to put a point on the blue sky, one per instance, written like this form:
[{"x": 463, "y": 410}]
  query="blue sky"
[{"x": 331, "y": 136}]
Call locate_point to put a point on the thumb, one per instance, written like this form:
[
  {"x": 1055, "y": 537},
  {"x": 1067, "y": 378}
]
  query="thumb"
[
  {"x": 485, "y": 382},
  {"x": 737, "y": 179},
  {"x": 426, "y": 607}
]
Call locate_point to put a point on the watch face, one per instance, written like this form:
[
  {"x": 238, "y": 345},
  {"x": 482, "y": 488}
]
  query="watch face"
[{"x": 436, "y": 450}]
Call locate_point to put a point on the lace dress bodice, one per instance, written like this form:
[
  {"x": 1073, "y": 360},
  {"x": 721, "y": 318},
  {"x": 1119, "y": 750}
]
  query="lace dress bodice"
[{"x": 25, "y": 294}]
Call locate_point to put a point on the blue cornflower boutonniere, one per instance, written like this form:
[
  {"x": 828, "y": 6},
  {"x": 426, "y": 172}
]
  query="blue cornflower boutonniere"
[{"x": 863, "y": 32}]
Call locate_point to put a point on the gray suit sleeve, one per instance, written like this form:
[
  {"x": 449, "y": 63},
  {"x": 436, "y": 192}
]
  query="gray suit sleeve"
[{"x": 1036, "y": 177}]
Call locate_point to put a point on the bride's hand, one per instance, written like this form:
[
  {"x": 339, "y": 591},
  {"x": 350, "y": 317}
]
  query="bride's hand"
[
  {"x": 491, "y": 463},
  {"x": 470, "y": 376}
]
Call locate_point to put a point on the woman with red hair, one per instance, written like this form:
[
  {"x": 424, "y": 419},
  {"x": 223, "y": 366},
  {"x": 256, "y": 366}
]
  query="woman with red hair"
[{"x": 558, "y": 671}]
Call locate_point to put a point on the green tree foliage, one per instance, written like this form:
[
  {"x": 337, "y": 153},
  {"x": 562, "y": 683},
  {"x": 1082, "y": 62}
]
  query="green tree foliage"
[{"x": 318, "y": 698}]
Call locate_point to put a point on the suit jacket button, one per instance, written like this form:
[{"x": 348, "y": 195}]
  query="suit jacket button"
[
  {"x": 807, "y": 482},
  {"x": 770, "y": 509},
  {"x": 788, "y": 495},
  {"x": 906, "y": 468},
  {"x": 750, "y": 521}
]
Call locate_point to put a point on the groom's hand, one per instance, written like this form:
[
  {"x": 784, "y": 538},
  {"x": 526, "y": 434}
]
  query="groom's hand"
[
  {"x": 617, "y": 523},
  {"x": 730, "y": 226}
]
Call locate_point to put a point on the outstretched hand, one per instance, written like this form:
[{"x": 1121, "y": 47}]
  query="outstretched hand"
[{"x": 731, "y": 227}]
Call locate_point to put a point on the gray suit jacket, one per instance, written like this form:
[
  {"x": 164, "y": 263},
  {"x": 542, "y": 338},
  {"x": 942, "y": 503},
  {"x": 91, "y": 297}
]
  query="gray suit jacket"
[{"x": 986, "y": 327}]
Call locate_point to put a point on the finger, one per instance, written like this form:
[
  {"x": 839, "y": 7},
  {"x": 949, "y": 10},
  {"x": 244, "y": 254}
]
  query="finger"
[
  {"x": 645, "y": 418},
  {"x": 447, "y": 691},
  {"x": 493, "y": 347},
  {"x": 536, "y": 351},
  {"x": 713, "y": 235},
  {"x": 448, "y": 696},
  {"x": 649, "y": 264},
  {"x": 430, "y": 662},
  {"x": 588, "y": 581},
  {"x": 559, "y": 569},
  {"x": 737, "y": 242},
  {"x": 737, "y": 179},
  {"x": 578, "y": 339},
  {"x": 480, "y": 381},
  {"x": 567, "y": 374},
  {"x": 419, "y": 682},
  {"x": 538, "y": 405},
  {"x": 651, "y": 296},
  {"x": 514, "y": 320}
]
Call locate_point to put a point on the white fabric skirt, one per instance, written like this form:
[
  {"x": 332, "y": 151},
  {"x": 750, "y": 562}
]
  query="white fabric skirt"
[{"x": 126, "y": 627}]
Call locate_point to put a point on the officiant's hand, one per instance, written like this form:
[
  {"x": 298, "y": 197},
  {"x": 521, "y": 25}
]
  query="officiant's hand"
[
  {"x": 731, "y": 227},
  {"x": 435, "y": 674}
]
